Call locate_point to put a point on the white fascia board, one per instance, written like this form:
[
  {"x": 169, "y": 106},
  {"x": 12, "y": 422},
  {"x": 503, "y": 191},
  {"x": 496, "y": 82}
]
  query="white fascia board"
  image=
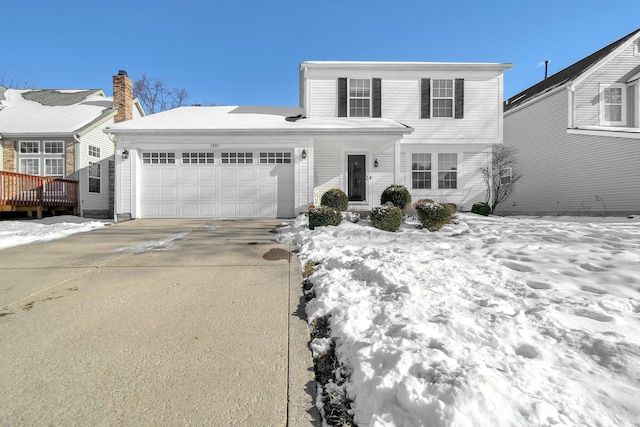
[
  {"x": 631, "y": 133},
  {"x": 382, "y": 65}
]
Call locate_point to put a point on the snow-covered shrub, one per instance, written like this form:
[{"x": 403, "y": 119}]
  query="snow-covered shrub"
[
  {"x": 335, "y": 198},
  {"x": 481, "y": 208},
  {"x": 387, "y": 218},
  {"x": 433, "y": 216},
  {"x": 421, "y": 201},
  {"x": 353, "y": 217},
  {"x": 323, "y": 216},
  {"x": 396, "y": 194},
  {"x": 453, "y": 208}
]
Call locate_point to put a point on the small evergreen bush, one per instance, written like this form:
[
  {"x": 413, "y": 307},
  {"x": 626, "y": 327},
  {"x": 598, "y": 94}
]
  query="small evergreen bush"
[
  {"x": 396, "y": 194},
  {"x": 453, "y": 208},
  {"x": 481, "y": 208},
  {"x": 335, "y": 198},
  {"x": 433, "y": 216},
  {"x": 387, "y": 218},
  {"x": 323, "y": 216},
  {"x": 421, "y": 201}
]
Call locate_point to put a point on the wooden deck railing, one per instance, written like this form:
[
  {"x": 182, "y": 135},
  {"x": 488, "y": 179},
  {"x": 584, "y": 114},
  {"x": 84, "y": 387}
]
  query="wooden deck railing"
[{"x": 18, "y": 189}]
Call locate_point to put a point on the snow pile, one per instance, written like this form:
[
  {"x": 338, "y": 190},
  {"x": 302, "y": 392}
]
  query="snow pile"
[
  {"x": 14, "y": 233},
  {"x": 489, "y": 322}
]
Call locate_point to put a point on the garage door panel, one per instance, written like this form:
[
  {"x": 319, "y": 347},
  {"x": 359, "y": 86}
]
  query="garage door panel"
[
  {"x": 168, "y": 210},
  {"x": 190, "y": 193},
  {"x": 190, "y": 210},
  {"x": 228, "y": 210},
  {"x": 246, "y": 210},
  {"x": 228, "y": 174},
  {"x": 246, "y": 174},
  {"x": 207, "y": 175},
  {"x": 168, "y": 193},
  {"x": 228, "y": 192},
  {"x": 267, "y": 192},
  {"x": 190, "y": 175},
  {"x": 246, "y": 193},
  {"x": 168, "y": 176},
  {"x": 207, "y": 193}
]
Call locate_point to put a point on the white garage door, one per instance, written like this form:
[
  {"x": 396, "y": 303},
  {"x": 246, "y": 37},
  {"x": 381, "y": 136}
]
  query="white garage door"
[{"x": 222, "y": 184}]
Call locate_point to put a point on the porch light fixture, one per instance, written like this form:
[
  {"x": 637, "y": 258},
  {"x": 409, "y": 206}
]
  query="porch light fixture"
[
  {"x": 304, "y": 153},
  {"x": 125, "y": 154},
  {"x": 375, "y": 163}
]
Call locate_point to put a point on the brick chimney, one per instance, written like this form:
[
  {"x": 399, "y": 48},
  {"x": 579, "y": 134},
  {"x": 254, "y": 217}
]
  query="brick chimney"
[{"x": 123, "y": 96}]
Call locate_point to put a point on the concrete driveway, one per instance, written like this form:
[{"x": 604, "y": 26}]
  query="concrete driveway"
[{"x": 155, "y": 322}]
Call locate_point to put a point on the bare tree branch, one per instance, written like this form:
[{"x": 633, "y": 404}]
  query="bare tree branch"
[
  {"x": 156, "y": 97},
  {"x": 502, "y": 175}
]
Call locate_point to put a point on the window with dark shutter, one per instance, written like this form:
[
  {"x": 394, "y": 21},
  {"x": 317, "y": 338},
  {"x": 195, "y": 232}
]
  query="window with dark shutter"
[
  {"x": 376, "y": 97},
  {"x": 425, "y": 98},
  {"x": 459, "y": 94},
  {"x": 342, "y": 97}
]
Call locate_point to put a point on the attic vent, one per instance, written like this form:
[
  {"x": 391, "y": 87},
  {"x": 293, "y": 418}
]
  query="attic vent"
[{"x": 636, "y": 48}]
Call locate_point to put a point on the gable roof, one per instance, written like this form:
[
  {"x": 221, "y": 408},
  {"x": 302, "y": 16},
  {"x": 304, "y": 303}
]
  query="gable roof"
[
  {"x": 252, "y": 120},
  {"x": 566, "y": 75},
  {"x": 51, "y": 112}
]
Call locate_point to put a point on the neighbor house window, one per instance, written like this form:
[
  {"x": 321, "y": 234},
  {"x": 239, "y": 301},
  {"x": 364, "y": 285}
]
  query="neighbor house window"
[
  {"x": 447, "y": 170},
  {"x": 94, "y": 177},
  {"x": 275, "y": 157},
  {"x": 29, "y": 147},
  {"x": 612, "y": 105},
  {"x": 94, "y": 151},
  {"x": 234, "y": 158},
  {"x": 442, "y": 98},
  {"x": 359, "y": 98},
  {"x": 54, "y": 168},
  {"x": 421, "y": 170},
  {"x": 159, "y": 158},
  {"x": 30, "y": 166},
  {"x": 194, "y": 158}
]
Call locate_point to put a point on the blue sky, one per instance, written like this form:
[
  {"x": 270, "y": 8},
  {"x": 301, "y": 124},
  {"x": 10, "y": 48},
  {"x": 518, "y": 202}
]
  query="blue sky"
[{"x": 247, "y": 52}]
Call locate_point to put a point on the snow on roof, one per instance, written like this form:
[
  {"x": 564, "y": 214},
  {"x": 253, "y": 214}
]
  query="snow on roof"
[
  {"x": 49, "y": 111},
  {"x": 406, "y": 65},
  {"x": 246, "y": 119}
]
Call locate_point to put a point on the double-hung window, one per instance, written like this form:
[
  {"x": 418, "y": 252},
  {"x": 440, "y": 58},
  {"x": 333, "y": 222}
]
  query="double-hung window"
[
  {"x": 359, "y": 98},
  {"x": 442, "y": 98},
  {"x": 421, "y": 170},
  {"x": 94, "y": 177},
  {"x": 613, "y": 105},
  {"x": 434, "y": 171},
  {"x": 447, "y": 170}
]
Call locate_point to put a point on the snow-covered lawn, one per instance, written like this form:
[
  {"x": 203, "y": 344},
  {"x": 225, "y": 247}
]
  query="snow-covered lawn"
[
  {"x": 490, "y": 322},
  {"x": 22, "y": 232}
]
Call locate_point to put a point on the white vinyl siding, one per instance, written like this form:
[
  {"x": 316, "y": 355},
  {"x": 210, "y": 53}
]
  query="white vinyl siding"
[
  {"x": 327, "y": 168},
  {"x": 94, "y": 201},
  {"x": 566, "y": 173},
  {"x": 322, "y": 102}
]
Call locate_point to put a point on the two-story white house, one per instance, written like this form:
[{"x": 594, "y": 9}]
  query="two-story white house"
[
  {"x": 360, "y": 127},
  {"x": 577, "y": 135}
]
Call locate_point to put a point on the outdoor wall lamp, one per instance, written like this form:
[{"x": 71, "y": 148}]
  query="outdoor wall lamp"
[
  {"x": 125, "y": 154},
  {"x": 375, "y": 163},
  {"x": 304, "y": 153}
]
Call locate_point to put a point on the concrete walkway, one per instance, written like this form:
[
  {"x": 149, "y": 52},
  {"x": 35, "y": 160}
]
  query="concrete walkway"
[{"x": 155, "y": 322}]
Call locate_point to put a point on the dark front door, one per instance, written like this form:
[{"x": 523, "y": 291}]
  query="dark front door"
[{"x": 357, "y": 177}]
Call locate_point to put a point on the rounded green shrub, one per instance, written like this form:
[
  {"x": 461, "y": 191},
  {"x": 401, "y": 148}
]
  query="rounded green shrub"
[
  {"x": 396, "y": 194},
  {"x": 335, "y": 198},
  {"x": 323, "y": 216},
  {"x": 481, "y": 208},
  {"x": 453, "y": 208},
  {"x": 433, "y": 216},
  {"x": 421, "y": 201},
  {"x": 387, "y": 218}
]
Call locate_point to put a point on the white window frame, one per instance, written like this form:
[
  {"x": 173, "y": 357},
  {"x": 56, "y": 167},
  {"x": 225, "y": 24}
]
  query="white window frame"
[
  {"x": 359, "y": 96},
  {"x": 236, "y": 158},
  {"x": 25, "y": 144},
  {"x": 623, "y": 105},
  {"x": 25, "y": 168},
  {"x": 47, "y": 145},
  {"x": 275, "y": 157},
  {"x": 93, "y": 151},
  {"x": 427, "y": 172},
  {"x": 158, "y": 158},
  {"x": 448, "y": 171},
  {"x": 91, "y": 175},
  {"x": 60, "y": 166},
  {"x": 437, "y": 95},
  {"x": 198, "y": 158}
]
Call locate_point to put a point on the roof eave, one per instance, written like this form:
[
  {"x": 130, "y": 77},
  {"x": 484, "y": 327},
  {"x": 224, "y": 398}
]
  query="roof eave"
[
  {"x": 497, "y": 66},
  {"x": 244, "y": 132}
]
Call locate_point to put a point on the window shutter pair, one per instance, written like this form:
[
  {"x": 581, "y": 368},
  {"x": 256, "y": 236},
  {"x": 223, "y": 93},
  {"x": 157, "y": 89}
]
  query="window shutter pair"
[
  {"x": 425, "y": 98},
  {"x": 376, "y": 97}
]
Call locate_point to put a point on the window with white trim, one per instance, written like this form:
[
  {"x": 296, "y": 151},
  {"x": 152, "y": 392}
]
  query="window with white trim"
[
  {"x": 274, "y": 158},
  {"x": 53, "y": 147},
  {"x": 613, "y": 111},
  {"x": 197, "y": 158},
  {"x": 158, "y": 158},
  {"x": 447, "y": 170},
  {"x": 30, "y": 166},
  {"x": 359, "y": 98},
  {"x": 237, "y": 158},
  {"x": 94, "y": 151},
  {"x": 54, "y": 168},
  {"x": 94, "y": 177},
  {"x": 442, "y": 98},
  {"x": 29, "y": 147},
  {"x": 421, "y": 171}
]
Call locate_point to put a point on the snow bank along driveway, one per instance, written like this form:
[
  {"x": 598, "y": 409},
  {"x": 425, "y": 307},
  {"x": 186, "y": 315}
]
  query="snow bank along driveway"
[{"x": 489, "y": 322}]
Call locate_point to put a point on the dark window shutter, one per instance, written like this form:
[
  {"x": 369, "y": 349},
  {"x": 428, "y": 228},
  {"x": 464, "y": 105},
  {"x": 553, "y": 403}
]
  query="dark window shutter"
[
  {"x": 459, "y": 98},
  {"x": 425, "y": 98},
  {"x": 342, "y": 97},
  {"x": 376, "y": 97}
]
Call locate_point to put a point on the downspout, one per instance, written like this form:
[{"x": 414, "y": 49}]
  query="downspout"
[
  {"x": 571, "y": 113},
  {"x": 76, "y": 165}
]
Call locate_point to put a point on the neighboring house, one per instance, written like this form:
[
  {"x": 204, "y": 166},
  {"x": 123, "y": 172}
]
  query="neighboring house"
[
  {"x": 59, "y": 134},
  {"x": 577, "y": 135},
  {"x": 362, "y": 126}
]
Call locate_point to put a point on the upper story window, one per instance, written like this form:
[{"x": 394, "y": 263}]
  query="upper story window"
[
  {"x": 53, "y": 147},
  {"x": 442, "y": 98},
  {"x": 94, "y": 151},
  {"x": 359, "y": 97},
  {"x": 613, "y": 105},
  {"x": 29, "y": 147}
]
